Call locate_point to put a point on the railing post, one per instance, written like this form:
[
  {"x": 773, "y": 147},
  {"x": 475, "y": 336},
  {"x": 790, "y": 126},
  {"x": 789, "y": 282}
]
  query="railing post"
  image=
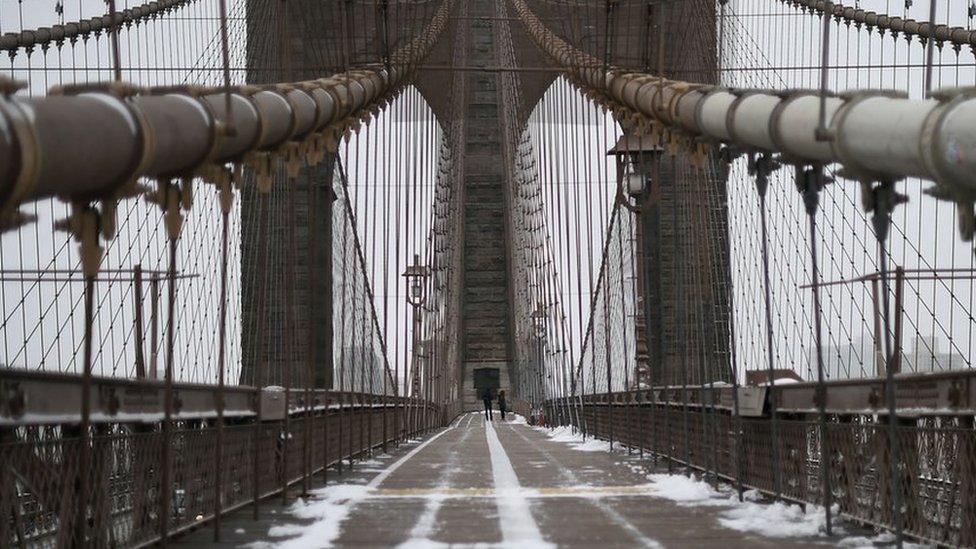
[
  {"x": 810, "y": 182},
  {"x": 170, "y": 199},
  {"x": 328, "y": 376},
  {"x": 91, "y": 252},
  {"x": 260, "y": 354},
  {"x": 879, "y": 356},
  {"x": 763, "y": 166},
  {"x": 226, "y": 200},
  {"x": 310, "y": 296},
  {"x": 881, "y": 200},
  {"x": 154, "y": 326}
]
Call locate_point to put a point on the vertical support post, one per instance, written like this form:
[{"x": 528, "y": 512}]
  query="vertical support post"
[
  {"x": 813, "y": 183},
  {"x": 310, "y": 382},
  {"x": 114, "y": 24},
  {"x": 260, "y": 355},
  {"x": 882, "y": 201},
  {"x": 930, "y": 47},
  {"x": 899, "y": 314},
  {"x": 879, "y": 357},
  {"x": 328, "y": 377},
  {"x": 679, "y": 321},
  {"x": 288, "y": 364},
  {"x": 85, "y": 448},
  {"x": 648, "y": 211},
  {"x": 173, "y": 219},
  {"x": 154, "y": 327},
  {"x": 810, "y": 182},
  {"x": 138, "y": 328},
  {"x": 763, "y": 167},
  {"x": 606, "y": 311},
  {"x": 226, "y": 200}
]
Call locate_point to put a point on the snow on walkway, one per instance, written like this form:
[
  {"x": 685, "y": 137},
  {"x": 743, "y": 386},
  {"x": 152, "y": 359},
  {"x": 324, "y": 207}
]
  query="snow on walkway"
[
  {"x": 514, "y": 486},
  {"x": 771, "y": 519}
]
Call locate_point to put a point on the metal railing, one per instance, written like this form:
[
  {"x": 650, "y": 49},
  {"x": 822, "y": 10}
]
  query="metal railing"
[
  {"x": 45, "y": 460},
  {"x": 936, "y": 454}
]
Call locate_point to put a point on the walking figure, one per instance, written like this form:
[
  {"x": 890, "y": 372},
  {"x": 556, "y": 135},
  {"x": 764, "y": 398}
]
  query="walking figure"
[
  {"x": 486, "y": 397},
  {"x": 501, "y": 403}
]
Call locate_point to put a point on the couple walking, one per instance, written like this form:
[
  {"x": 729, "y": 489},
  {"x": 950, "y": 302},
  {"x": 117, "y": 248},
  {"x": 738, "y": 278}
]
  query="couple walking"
[{"x": 487, "y": 396}]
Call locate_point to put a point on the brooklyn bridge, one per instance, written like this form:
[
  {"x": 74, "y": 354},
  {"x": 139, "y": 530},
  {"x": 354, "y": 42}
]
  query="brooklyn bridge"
[{"x": 267, "y": 266}]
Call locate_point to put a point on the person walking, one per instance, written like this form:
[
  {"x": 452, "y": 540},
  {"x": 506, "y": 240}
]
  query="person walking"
[
  {"x": 486, "y": 397},
  {"x": 501, "y": 403}
]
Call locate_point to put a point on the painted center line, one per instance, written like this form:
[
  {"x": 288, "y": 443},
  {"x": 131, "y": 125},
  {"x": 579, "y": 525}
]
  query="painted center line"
[
  {"x": 443, "y": 492},
  {"x": 515, "y": 519}
]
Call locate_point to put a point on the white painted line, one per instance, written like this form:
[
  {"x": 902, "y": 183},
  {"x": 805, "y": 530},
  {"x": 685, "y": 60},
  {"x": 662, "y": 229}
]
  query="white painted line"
[
  {"x": 333, "y": 504},
  {"x": 424, "y": 527},
  {"x": 515, "y": 519},
  {"x": 614, "y": 516},
  {"x": 396, "y": 465}
]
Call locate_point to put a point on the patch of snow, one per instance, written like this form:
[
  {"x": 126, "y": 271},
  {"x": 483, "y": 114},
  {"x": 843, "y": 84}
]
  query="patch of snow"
[
  {"x": 592, "y": 445},
  {"x": 240, "y": 531},
  {"x": 882, "y": 539},
  {"x": 568, "y": 435},
  {"x": 329, "y": 509},
  {"x": 561, "y": 434},
  {"x": 684, "y": 490},
  {"x": 777, "y": 519}
]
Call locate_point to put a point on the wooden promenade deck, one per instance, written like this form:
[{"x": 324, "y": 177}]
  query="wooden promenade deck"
[{"x": 507, "y": 485}]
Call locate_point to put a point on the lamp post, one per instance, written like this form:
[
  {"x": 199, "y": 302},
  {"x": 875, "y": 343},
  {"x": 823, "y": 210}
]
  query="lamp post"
[
  {"x": 416, "y": 277},
  {"x": 640, "y": 177},
  {"x": 639, "y": 181},
  {"x": 539, "y": 332}
]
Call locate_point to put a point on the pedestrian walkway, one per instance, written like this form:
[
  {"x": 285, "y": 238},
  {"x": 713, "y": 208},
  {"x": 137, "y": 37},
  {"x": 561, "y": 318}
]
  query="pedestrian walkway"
[{"x": 506, "y": 484}]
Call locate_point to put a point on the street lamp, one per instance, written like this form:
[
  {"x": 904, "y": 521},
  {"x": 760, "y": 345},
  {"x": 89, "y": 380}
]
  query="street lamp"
[
  {"x": 637, "y": 156},
  {"x": 416, "y": 277}
]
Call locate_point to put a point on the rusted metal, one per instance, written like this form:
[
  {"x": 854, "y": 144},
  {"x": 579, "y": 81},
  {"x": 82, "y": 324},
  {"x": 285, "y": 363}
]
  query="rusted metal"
[
  {"x": 166, "y": 495},
  {"x": 226, "y": 197},
  {"x": 763, "y": 168},
  {"x": 85, "y": 455},
  {"x": 861, "y": 465},
  {"x": 812, "y": 181},
  {"x": 154, "y": 328},
  {"x": 260, "y": 374},
  {"x": 47, "y": 464}
]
